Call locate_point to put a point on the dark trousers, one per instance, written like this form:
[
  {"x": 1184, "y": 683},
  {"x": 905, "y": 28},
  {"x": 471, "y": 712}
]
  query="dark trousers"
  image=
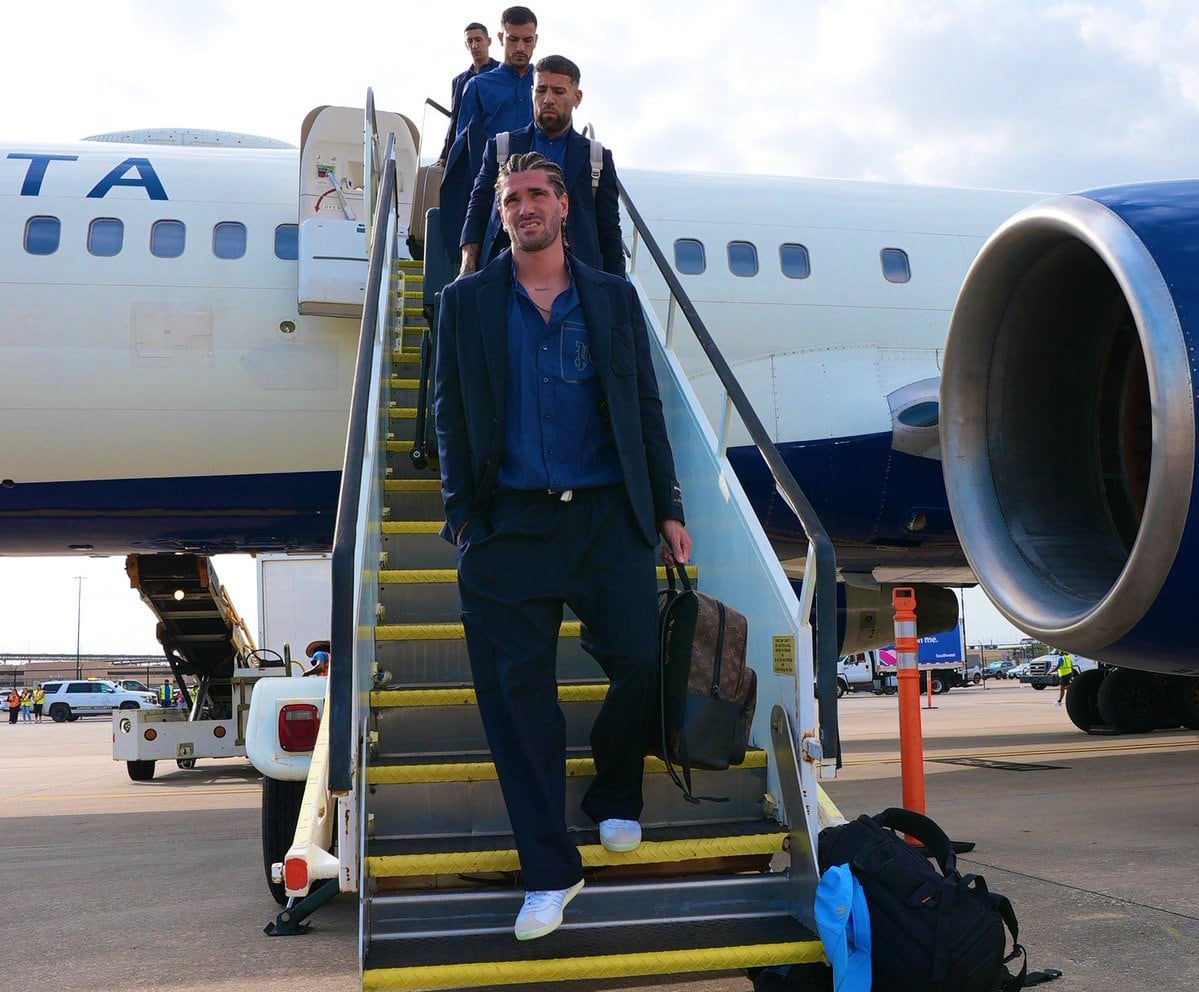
[{"x": 515, "y": 573}]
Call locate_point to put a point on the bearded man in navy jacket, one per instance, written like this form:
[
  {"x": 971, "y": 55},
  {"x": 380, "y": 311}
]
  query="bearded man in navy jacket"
[{"x": 593, "y": 224}]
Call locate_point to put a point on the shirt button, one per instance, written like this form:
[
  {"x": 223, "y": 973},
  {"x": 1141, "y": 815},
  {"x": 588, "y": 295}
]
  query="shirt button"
[{"x": 545, "y": 379}]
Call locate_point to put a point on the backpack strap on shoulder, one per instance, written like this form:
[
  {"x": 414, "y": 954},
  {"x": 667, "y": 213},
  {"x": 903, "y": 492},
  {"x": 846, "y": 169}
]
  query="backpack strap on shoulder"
[{"x": 597, "y": 164}]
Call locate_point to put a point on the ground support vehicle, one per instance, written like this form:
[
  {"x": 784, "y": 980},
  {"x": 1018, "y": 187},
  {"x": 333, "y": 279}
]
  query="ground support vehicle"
[
  {"x": 206, "y": 643},
  {"x": 143, "y": 737},
  {"x": 401, "y": 803},
  {"x": 1042, "y": 671}
]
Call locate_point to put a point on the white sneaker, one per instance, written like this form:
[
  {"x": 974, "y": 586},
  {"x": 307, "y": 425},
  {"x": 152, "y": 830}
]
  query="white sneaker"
[
  {"x": 1058, "y": 703},
  {"x": 620, "y": 835},
  {"x": 542, "y": 912}
]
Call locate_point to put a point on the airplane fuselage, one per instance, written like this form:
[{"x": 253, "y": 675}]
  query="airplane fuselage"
[{"x": 162, "y": 391}]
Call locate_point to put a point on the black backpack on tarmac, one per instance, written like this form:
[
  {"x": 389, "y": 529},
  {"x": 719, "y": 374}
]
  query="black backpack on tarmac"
[{"x": 931, "y": 931}]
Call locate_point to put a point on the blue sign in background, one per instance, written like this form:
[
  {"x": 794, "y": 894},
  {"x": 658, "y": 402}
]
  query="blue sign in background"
[{"x": 946, "y": 646}]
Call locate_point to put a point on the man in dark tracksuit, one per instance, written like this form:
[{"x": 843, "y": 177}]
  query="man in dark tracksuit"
[{"x": 557, "y": 477}]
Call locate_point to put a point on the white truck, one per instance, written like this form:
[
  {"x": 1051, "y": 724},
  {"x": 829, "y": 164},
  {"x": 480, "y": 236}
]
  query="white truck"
[
  {"x": 293, "y": 602},
  {"x": 941, "y": 659}
]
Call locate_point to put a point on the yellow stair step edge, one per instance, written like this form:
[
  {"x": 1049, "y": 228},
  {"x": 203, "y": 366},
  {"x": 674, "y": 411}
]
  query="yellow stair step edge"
[
  {"x": 594, "y": 856},
  {"x": 484, "y": 771},
  {"x": 601, "y": 966}
]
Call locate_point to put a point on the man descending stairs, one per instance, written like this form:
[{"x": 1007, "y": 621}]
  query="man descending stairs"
[{"x": 442, "y": 886}]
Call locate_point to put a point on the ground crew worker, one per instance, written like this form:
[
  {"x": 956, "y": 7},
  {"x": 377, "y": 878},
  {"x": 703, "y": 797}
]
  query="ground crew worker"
[
  {"x": 14, "y": 705},
  {"x": 166, "y": 695},
  {"x": 1065, "y": 674},
  {"x": 39, "y": 700},
  {"x": 547, "y": 508},
  {"x": 27, "y": 706}
]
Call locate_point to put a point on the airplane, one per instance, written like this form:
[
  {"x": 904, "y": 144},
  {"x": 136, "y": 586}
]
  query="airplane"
[{"x": 180, "y": 314}]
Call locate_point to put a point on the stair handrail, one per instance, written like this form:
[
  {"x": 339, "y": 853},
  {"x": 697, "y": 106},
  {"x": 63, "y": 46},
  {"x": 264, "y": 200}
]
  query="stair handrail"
[
  {"x": 822, "y": 555},
  {"x": 344, "y": 676}
]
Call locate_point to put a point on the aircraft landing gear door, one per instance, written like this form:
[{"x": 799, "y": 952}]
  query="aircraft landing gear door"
[{"x": 333, "y": 210}]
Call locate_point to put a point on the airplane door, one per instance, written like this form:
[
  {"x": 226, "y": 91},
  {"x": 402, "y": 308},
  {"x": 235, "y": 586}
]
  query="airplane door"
[{"x": 335, "y": 193}]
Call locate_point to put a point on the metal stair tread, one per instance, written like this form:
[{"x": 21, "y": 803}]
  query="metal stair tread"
[
  {"x": 447, "y": 631},
  {"x": 464, "y": 695},
  {"x": 588, "y": 952},
  {"x": 724, "y": 844},
  {"x": 389, "y": 846},
  {"x": 401, "y": 770}
]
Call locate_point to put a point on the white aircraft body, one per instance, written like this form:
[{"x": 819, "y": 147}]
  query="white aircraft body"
[
  {"x": 178, "y": 326},
  {"x": 186, "y": 402}
]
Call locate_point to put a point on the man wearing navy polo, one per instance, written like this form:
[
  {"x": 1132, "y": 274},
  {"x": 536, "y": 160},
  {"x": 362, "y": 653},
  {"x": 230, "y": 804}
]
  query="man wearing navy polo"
[
  {"x": 478, "y": 43},
  {"x": 558, "y": 479},
  {"x": 495, "y": 101}
]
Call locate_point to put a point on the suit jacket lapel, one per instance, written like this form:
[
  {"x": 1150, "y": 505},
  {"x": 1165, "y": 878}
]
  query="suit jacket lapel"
[
  {"x": 578, "y": 156},
  {"x": 492, "y": 304}
]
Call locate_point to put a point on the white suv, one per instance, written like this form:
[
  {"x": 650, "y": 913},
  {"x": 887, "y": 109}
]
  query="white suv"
[{"x": 71, "y": 700}]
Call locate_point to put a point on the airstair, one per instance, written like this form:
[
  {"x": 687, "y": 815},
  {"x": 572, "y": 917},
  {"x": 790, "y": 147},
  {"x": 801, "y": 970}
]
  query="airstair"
[{"x": 422, "y": 831}]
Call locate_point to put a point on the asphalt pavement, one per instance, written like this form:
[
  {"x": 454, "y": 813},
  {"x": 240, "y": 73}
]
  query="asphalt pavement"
[{"x": 113, "y": 884}]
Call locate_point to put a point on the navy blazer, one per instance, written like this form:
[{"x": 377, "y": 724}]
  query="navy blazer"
[
  {"x": 593, "y": 223},
  {"x": 471, "y": 378}
]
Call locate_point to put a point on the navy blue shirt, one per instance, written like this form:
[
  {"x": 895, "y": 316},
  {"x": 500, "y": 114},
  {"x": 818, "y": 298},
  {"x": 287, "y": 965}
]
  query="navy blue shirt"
[
  {"x": 556, "y": 435},
  {"x": 552, "y": 148},
  {"x": 501, "y": 100},
  {"x": 456, "y": 87}
]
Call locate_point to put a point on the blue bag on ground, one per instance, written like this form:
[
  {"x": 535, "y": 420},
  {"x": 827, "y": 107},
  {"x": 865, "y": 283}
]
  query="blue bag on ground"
[{"x": 843, "y": 919}]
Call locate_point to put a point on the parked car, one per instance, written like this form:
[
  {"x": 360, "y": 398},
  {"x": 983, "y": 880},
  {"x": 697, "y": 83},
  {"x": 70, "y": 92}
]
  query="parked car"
[
  {"x": 1042, "y": 671},
  {"x": 67, "y": 700},
  {"x": 133, "y": 685},
  {"x": 1017, "y": 670},
  {"x": 999, "y": 669}
]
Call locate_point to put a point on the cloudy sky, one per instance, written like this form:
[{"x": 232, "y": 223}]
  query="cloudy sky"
[{"x": 1013, "y": 94}]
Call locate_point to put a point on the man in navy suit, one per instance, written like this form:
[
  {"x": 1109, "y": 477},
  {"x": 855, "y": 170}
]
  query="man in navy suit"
[
  {"x": 593, "y": 225},
  {"x": 558, "y": 479}
]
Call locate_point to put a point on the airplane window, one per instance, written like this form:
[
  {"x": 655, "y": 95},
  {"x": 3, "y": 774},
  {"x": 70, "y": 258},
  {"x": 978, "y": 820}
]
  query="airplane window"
[
  {"x": 229, "y": 239},
  {"x": 105, "y": 235},
  {"x": 896, "y": 267},
  {"x": 167, "y": 238},
  {"x": 42, "y": 235},
  {"x": 743, "y": 258},
  {"x": 689, "y": 256},
  {"x": 287, "y": 241},
  {"x": 794, "y": 261}
]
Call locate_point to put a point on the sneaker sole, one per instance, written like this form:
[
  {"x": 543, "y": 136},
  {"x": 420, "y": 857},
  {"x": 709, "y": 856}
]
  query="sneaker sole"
[
  {"x": 551, "y": 927},
  {"x": 621, "y": 848}
]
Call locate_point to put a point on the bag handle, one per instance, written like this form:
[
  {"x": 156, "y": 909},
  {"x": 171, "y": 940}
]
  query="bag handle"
[{"x": 924, "y": 830}]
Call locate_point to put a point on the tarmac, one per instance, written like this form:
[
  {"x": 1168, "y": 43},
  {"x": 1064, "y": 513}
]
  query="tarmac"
[{"x": 114, "y": 884}]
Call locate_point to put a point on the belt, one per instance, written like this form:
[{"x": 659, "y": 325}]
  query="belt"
[{"x": 533, "y": 495}]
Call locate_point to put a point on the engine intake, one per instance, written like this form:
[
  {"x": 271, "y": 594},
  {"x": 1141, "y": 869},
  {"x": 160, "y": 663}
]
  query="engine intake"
[{"x": 1068, "y": 422}]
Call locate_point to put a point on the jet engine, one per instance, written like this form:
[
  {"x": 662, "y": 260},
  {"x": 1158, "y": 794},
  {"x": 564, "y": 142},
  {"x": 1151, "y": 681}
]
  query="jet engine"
[{"x": 1068, "y": 413}]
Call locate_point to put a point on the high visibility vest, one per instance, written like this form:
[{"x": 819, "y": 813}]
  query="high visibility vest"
[
  {"x": 1067, "y": 667},
  {"x": 14, "y": 699},
  {"x": 39, "y": 696}
]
